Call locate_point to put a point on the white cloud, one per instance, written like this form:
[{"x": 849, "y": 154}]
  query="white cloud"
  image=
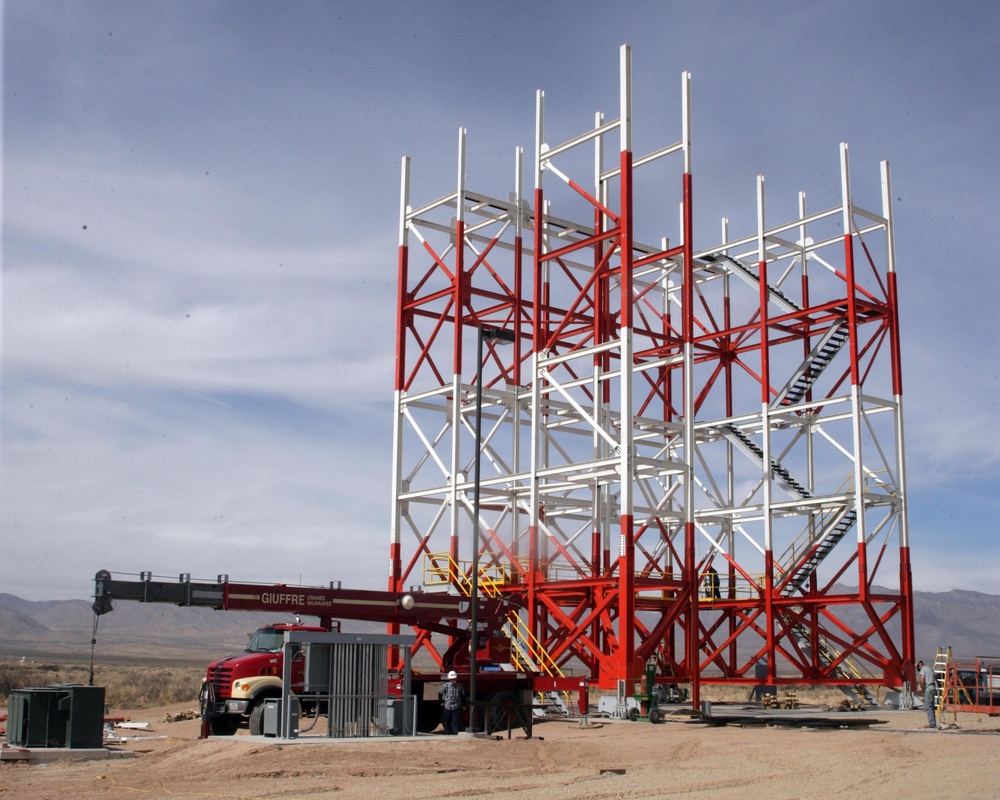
[
  {"x": 131, "y": 486},
  {"x": 178, "y": 296}
]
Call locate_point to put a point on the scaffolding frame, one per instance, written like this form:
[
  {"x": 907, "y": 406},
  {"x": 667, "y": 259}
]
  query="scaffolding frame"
[{"x": 680, "y": 440}]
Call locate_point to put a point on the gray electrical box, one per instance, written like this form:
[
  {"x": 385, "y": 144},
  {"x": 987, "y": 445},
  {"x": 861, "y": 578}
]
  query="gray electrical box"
[
  {"x": 272, "y": 718},
  {"x": 399, "y": 716}
]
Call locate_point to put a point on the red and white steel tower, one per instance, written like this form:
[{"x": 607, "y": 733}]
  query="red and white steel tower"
[{"x": 691, "y": 454}]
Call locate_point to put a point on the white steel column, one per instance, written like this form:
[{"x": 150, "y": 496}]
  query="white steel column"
[
  {"x": 626, "y": 550},
  {"x": 457, "y": 476},
  {"x": 857, "y": 412},
  {"x": 897, "y": 389},
  {"x": 537, "y": 336},
  {"x": 397, "y": 405},
  {"x": 765, "y": 415}
]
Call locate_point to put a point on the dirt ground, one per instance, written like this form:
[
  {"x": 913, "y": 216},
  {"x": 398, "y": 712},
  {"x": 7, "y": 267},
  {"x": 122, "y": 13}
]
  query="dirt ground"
[{"x": 609, "y": 759}]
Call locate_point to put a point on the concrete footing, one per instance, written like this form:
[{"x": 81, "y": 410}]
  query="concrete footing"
[{"x": 43, "y": 754}]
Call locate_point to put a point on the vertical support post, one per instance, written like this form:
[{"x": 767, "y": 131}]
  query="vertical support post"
[
  {"x": 765, "y": 389},
  {"x": 814, "y": 616},
  {"x": 854, "y": 345},
  {"x": 402, "y": 322},
  {"x": 518, "y": 301},
  {"x": 730, "y": 476},
  {"x": 626, "y": 547},
  {"x": 482, "y": 334},
  {"x": 286, "y": 681},
  {"x": 517, "y": 313},
  {"x": 458, "y": 300},
  {"x": 601, "y": 334},
  {"x": 539, "y": 346},
  {"x": 692, "y": 632},
  {"x": 810, "y": 428},
  {"x": 905, "y": 570},
  {"x": 474, "y": 591}
]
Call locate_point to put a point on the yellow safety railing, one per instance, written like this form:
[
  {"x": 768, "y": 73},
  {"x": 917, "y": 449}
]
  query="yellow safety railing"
[
  {"x": 528, "y": 653},
  {"x": 743, "y": 588},
  {"x": 440, "y": 569}
]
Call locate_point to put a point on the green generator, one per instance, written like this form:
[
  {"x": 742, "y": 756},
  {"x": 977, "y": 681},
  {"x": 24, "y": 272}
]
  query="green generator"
[{"x": 66, "y": 715}]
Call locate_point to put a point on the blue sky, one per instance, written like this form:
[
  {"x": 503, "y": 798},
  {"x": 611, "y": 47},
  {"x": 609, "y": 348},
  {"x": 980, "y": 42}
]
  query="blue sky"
[{"x": 200, "y": 205}]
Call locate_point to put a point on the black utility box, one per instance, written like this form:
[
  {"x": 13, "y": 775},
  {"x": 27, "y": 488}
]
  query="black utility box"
[{"x": 66, "y": 715}]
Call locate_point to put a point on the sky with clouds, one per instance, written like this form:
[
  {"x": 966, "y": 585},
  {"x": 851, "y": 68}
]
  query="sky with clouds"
[{"x": 200, "y": 212}]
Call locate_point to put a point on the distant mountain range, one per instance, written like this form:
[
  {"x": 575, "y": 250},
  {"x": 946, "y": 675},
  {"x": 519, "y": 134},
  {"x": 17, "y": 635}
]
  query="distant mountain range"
[
  {"x": 968, "y": 622},
  {"x": 142, "y": 631}
]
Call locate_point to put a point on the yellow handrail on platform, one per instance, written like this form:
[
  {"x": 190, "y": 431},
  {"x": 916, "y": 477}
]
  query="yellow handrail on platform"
[{"x": 527, "y": 652}]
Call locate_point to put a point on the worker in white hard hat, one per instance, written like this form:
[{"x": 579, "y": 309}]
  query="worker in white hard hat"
[{"x": 452, "y": 695}]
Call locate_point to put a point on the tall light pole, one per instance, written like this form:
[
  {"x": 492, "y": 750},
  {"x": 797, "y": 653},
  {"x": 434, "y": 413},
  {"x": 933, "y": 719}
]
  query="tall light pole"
[{"x": 491, "y": 335}]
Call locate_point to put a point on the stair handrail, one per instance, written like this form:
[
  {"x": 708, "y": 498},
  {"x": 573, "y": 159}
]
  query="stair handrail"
[
  {"x": 529, "y": 653},
  {"x": 741, "y": 270},
  {"x": 794, "y": 555},
  {"x": 834, "y": 331}
]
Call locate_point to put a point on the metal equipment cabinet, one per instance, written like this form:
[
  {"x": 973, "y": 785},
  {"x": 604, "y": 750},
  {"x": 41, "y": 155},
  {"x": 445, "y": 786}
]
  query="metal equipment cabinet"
[{"x": 68, "y": 715}]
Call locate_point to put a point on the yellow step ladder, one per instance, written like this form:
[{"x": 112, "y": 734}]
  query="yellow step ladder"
[{"x": 942, "y": 660}]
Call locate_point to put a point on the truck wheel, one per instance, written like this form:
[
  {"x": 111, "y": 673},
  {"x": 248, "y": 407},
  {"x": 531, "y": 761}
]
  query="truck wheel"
[
  {"x": 655, "y": 716},
  {"x": 257, "y": 719},
  {"x": 633, "y": 714},
  {"x": 499, "y": 710},
  {"x": 223, "y": 725}
]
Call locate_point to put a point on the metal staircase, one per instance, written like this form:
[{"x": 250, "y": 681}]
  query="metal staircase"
[
  {"x": 778, "y": 472},
  {"x": 817, "y": 360},
  {"x": 801, "y": 380},
  {"x": 800, "y": 570},
  {"x": 528, "y": 652},
  {"x": 829, "y": 536},
  {"x": 813, "y": 365},
  {"x": 824, "y": 544},
  {"x": 742, "y": 271}
]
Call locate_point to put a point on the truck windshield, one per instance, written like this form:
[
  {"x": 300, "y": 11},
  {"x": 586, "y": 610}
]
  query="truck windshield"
[{"x": 266, "y": 640}]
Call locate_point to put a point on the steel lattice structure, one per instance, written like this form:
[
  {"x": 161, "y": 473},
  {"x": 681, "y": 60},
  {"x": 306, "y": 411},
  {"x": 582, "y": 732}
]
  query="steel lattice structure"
[{"x": 690, "y": 454}]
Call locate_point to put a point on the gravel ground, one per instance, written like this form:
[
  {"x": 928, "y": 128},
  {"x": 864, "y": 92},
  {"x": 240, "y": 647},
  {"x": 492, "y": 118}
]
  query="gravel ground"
[{"x": 609, "y": 759}]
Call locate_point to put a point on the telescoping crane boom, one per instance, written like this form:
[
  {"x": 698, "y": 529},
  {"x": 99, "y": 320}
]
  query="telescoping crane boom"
[{"x": 435, "y": 612}]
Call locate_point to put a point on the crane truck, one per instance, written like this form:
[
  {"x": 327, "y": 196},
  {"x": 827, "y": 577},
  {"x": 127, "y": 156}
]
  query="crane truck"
[{"x": 236, "y": 687}]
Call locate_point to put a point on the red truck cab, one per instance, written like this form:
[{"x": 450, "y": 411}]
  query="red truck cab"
[{"x": 236, "y": 686}]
